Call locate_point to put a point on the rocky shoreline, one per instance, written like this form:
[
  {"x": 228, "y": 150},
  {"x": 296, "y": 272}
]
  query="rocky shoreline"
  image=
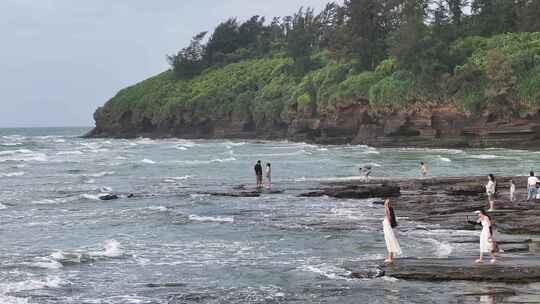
[
  {"x": 444, "y": 203},
  {"x": 346, "y": 124}
]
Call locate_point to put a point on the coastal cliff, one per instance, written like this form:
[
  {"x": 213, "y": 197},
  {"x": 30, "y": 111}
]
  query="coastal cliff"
[
  {"x": 354, "y": 124},
  {"x": 491, "y": 98}
]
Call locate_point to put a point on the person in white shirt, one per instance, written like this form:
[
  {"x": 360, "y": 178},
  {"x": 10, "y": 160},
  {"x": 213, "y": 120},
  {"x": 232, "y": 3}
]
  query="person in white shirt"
[
  {"x": 490, "y": 191},
  {"x": 531, "y": 186},
  {"x": 269, "y": 175},
  {"x": 512, "y": 191}
]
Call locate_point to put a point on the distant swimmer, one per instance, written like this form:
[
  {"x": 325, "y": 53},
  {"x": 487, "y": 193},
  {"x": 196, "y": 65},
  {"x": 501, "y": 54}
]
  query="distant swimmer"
[
  {"x": 258, "y": 173},
  {"x": 423, "y": 169},
  {"x": 365, "y": 172}
]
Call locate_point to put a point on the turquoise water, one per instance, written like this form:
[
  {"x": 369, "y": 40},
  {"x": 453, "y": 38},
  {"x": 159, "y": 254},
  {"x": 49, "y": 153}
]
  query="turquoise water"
[{"x": 172, "y": 244}]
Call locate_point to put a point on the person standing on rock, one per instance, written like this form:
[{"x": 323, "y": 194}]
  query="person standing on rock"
[
  {"x": 423, "y": 169},
  {"x": 269, "y": 175},
  {"x": 490, "y": 191},
  {"x": 389, "y": 223},
  {"x": 531, "y": 186},
  {"x": 512, "y": 191},
  {"x": 258, "y": 174},
  {"x": 487, "y": 242}
]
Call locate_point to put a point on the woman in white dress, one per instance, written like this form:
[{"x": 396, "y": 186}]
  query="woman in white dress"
[
  {"x": 389, "y": 223},
  {"x": 487, "y": 243}
]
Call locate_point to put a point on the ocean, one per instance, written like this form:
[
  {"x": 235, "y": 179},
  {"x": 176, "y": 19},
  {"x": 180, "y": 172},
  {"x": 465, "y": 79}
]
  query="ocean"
[{"x": 171, "y": 243}]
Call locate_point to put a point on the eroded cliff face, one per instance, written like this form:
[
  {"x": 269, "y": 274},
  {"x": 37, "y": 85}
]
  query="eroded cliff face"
[{"x": 435, "y": 126}]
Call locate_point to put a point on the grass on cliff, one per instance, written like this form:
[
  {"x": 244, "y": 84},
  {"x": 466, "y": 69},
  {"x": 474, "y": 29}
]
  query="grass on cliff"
[{"x": 503, "y": 69}]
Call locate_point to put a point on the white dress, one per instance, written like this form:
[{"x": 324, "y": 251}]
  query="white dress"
[
  {"x": 390, "y": 238},
  {"x": 485, "y": 244}
]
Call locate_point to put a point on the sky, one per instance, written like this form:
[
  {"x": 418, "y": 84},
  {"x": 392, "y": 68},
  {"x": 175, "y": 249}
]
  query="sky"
[{"x": 61, "y": 59}]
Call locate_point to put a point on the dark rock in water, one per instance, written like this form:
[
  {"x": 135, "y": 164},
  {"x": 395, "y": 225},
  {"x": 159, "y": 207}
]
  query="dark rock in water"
[
  {"x": 255, "y": 193},
  {"x": 165, "y": 285},
  {"x": 509, "y": 270},
  {"x": 357, "y": 191},
  {"x": 235, "y": 194},
  {"x": 466, "y": 189},
  {"x": 108, "y": 197}
]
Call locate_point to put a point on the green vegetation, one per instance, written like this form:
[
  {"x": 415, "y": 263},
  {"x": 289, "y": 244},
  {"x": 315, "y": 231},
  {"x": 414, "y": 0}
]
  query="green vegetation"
[{"x": 386, "y": 54}]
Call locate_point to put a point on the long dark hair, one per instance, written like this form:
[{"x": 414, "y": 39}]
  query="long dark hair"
[
  {"x": 393, "y": 220},
  {"x": 491, "y": 177},
  {"x": 484, "y": 213}
]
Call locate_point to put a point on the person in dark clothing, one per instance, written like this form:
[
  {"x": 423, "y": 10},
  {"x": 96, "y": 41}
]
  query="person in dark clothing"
[{"x": 258, "y": 173}]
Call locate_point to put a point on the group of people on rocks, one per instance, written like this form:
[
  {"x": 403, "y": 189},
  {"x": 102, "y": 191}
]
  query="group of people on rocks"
[
  {"x": 259, "y": 175},
  {"x": 533, "y": 189},
  {"x": 488, "y": 244}
]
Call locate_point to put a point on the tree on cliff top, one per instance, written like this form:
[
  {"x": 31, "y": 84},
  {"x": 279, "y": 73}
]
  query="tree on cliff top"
[{"x": 189, "y": 61}]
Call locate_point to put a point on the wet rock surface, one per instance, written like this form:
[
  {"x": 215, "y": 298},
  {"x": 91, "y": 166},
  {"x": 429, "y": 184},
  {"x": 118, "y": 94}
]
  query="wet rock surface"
[
  {"x": 512, "y": 270},
  {"x": 450, "y": 201},
  {"x": 356, "y": 191}
]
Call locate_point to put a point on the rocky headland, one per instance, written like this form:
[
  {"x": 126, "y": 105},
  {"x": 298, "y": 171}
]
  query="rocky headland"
[{"x": 354, "y": 124}]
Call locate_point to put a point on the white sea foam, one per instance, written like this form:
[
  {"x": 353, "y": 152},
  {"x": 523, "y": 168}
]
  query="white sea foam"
[
  {"x": 53, "y": 201},
  {"x": 328, "y": 271},
  {"x": 157, "y": 208},
  {"x": 148, "y": 161},
  {"x": 93, "y": 197},
  {"x": 216, "y": 219},
  {"x": 12, "y": 152},
  {"x": 76, "y": 152},
  {"x": 199, "y": 195},
  {"x": 12, "y": 174},
  {"x": 11, "y": 144},
  {"x": 9, "y": 288},
  {"x": 371, "y": 151},
  {"x": 111, "y": 249},
  {"x": 2, "y": 206},
  {"x": 485, "y": 156},
  {"x": 442, "y": 249},
  {"x": 105, "y": 189},
  {"x": 175, "y": 179},
  {"x": 444, "y": 159},
  {"x": 47, "y": 263},
  {"x": 181, "y": 148},
  {"x": 202, "y": 162},
  {"x": 235, "y": 144},
  {"x": 101, "y": 174},
  {"x": 22, "y": 155}
]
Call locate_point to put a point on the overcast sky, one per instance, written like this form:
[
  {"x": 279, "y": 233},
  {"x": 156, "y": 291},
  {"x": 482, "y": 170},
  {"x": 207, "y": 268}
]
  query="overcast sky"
[{"x": 61, "y": 59}]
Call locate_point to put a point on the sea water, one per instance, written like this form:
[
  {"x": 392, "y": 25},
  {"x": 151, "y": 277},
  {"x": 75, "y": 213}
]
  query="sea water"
[{"x": 172, "y": 243}]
